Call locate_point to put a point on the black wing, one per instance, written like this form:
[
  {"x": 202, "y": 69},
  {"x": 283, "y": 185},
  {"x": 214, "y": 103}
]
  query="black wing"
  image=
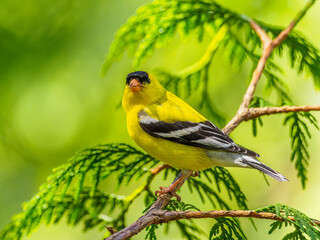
[{"x": 204, "y": 134}]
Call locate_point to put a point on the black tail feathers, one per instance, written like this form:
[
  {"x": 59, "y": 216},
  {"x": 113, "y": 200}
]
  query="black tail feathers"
[{"x": 264, "y": 168}]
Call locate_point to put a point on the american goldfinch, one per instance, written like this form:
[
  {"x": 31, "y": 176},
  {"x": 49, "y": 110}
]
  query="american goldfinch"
[{"x": 173, "y": 132}]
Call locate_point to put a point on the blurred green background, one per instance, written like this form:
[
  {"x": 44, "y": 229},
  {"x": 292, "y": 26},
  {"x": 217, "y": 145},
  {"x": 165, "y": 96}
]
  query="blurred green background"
[{"x": 53, "y": 102}]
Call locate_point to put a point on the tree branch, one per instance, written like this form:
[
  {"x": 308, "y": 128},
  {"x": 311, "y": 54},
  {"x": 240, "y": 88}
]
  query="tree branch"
[
  {"x": 257, "y": 112},
  {"x": 157, "y": 216},
  {"x": 268, "y": 46},
  {"x": 111, "y": 230},
  {"x": 283, "y": 35},
  {"x": 144, "y": 221},
  {"x": 252, "y": 113},
  {"x": 156, "y": 170},
  {"x": 162, "y": 216}
]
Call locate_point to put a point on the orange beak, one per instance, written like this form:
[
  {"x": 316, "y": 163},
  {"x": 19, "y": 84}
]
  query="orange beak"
[{"x": 135, "y": 85}]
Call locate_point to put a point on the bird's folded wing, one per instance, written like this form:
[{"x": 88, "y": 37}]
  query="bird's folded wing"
[{"x": 198, "y": 134}]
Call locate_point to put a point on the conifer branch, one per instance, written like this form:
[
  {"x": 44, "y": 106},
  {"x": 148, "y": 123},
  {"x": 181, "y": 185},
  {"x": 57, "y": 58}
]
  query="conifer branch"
[
  {"x": 252, "y": 113},
  {"x": 156, "y": 170},
  {"x": 268, "y": 46},
  {"x": 257, "y": 112},
  {"x": 158, "y": 216}
]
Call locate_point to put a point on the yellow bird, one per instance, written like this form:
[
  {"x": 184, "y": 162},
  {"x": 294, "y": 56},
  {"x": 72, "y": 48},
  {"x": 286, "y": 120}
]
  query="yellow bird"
[{"x": 173, "y": 132}]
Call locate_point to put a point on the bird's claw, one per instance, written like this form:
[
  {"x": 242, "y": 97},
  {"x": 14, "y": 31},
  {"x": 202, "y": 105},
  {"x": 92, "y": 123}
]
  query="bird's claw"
[
  {"x": 165, "y": 190},
  {"x": 195, "y": 174}
]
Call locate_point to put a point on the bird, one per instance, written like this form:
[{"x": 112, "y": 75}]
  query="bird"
[{"x": 173, "y": 132}]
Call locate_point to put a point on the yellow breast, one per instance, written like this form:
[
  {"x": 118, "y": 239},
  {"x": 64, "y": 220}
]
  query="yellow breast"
[{"x": 175, "y": 154}]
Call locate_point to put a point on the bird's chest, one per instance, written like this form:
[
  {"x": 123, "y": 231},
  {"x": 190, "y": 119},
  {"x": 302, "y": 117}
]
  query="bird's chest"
[{"x": 133, "y": 126}]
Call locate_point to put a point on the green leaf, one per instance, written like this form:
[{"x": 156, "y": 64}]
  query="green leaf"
[
  {"x": 66, "y": 192},
  {"x": 151, "y": 232},
  {"x": 301, "y": 222},
  {"x": 226, "y": 229},
  {"x": 300, "y": 134}
]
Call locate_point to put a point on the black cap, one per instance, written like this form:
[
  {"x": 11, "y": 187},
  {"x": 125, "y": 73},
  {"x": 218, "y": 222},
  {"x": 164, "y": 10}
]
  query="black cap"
[{"x": 141, "y": 76}]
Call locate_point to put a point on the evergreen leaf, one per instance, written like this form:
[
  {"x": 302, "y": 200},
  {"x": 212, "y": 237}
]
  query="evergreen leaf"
[
  {"x": 300, "y": 134},
  {"x": 226, "y": 229},
  {"x": 302, "y": 223},
  {"x": 67, "y": 194}
]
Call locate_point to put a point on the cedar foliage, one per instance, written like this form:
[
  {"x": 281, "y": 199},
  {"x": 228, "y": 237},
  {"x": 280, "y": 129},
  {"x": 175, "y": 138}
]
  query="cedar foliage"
[{"x": 74, "y": 189}]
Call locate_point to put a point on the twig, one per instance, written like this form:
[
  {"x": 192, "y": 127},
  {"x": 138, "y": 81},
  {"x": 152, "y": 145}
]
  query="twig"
[
  {"x": 283, "y": 35},
  {"x": 252, "y": 113},
  {"x": 257, "y": 112},
  {"x": 268, "y": 45},
  {"x": 111, "y": 230},
  {"x": 156, "y": 170}
]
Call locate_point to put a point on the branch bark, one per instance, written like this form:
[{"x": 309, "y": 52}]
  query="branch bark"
[
  {"x": 155, "y": 214},
  {"x": 252, "y": 113},
  {"x": 257, "y": 112}
]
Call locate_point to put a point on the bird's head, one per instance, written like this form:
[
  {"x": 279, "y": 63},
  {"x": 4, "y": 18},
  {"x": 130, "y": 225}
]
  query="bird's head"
[
  {"x": 141, "y": 88},
  {"x": 136, "y": 81}
]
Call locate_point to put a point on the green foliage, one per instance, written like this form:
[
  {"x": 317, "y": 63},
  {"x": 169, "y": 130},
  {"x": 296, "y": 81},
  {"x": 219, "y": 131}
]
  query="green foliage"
[
  {"x": 299, "y": 134},
  {"x": 175, "y": 205},
  {"x": 304, "y": 57},
  {"x": 295, "y": 235},
  {"x": 72, "y": 190},
  {"x": 188, "y": 229},
  {"x": 302, "y": 223},
  {"x": 151, "y": 232},
  {"x": 255, "y": 103},
  {"x": 222, "y": 179},
  {"x": 155, "y": 24},
  {"x": 226, "y": 229}
]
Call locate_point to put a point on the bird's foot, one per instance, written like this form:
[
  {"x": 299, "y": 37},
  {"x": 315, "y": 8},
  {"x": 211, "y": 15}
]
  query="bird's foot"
[
  {"x": 165, "y": 190},
  {"x": 195, "y": 174}
]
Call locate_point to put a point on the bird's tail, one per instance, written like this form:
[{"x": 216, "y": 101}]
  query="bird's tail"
[{"x": 254, "y": 163}]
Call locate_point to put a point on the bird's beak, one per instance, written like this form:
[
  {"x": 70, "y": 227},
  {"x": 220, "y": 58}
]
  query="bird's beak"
[{"x": 135, "y": 85}]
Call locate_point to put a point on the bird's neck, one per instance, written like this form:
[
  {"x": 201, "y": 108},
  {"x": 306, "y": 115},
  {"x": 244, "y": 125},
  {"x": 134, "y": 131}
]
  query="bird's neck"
[{"x": 132, "y": 100}]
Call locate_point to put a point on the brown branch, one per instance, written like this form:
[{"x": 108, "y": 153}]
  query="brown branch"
[
  {"x": 268, "y": 46},
  {"x": 111, "y": 230},
  {"x": 252, "y": 113},
  {"x": 162, "y": 216},
  {"x": 157, "y": 216},
  {"x": 257, "y": 112},
  {"x": 156, "y": 170},
  {"x": 283, "y": 35},
  {"x": 144, "y": 221}
]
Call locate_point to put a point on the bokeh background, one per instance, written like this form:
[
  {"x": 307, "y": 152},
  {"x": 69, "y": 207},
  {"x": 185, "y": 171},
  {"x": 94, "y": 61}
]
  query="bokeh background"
[{"x": 53, "y": 102}]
